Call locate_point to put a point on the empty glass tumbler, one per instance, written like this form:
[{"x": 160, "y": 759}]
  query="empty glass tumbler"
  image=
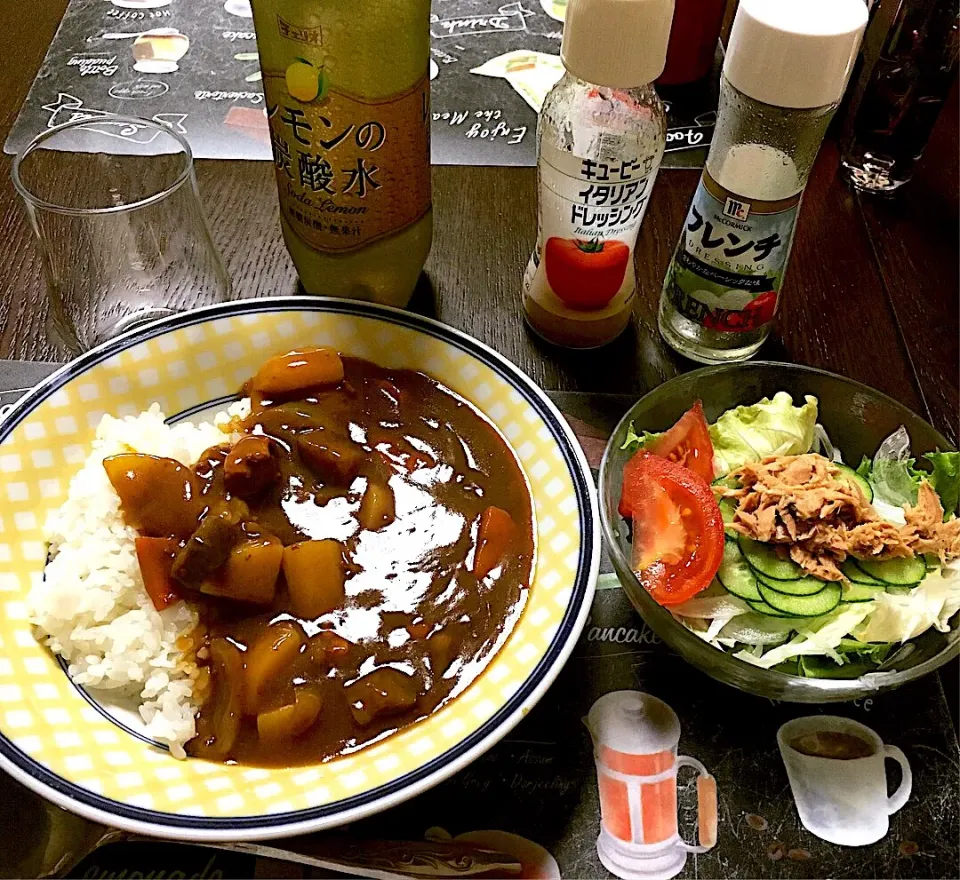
[
  {"x": 909, "y": 83},
  {"x": 114, "y": 203}
]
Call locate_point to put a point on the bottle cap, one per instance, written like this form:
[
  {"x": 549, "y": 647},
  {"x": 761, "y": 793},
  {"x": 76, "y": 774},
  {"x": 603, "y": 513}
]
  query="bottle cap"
[
  {"x": 794, "y": 53},
  {"x": 616, "y": 43}
]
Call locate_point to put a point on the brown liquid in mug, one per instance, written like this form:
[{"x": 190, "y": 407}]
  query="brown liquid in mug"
[{"x": 832, "y": 744}]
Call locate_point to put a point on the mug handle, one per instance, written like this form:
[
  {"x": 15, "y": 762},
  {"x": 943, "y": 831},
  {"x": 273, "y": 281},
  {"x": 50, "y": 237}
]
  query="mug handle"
[
  {"x": 900, "y": 796},
  {"x": 706, "y": 806}
]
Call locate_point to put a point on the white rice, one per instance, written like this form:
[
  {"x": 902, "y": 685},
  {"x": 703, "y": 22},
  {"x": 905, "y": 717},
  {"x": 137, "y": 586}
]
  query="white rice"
[{"x": 92, "y": 608}]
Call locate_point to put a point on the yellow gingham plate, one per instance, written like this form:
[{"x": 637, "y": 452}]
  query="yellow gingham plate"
[{"x": 60, "y": 742}]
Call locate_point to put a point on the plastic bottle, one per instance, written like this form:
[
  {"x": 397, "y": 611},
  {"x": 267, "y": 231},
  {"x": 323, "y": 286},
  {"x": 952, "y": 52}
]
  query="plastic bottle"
[
  {"x": 600, "y": 139},
  {"x": 347, "y": 93},
  {"x": 786, "y": 68}
]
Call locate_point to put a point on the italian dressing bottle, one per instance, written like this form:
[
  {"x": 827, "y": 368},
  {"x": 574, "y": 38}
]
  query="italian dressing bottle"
[
  {"x": 786, "y": 68},
  {"x": 600, "y": 139}
]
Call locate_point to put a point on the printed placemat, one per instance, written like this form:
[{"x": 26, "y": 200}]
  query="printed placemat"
[
  {"x": 535, "y": 794},
  {"x": 193, "y": 65}
]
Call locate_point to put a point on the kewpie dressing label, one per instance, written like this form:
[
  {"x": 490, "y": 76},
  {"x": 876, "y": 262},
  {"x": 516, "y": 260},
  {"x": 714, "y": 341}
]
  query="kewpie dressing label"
[{"x": 590, "y": 214}]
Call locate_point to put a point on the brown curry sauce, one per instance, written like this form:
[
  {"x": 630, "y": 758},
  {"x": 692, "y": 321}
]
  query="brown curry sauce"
[{"x": 356, "y": 558}]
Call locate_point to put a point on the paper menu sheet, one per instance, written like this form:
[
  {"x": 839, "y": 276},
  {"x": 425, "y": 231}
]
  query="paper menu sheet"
[{"x": 192, "y": 65}]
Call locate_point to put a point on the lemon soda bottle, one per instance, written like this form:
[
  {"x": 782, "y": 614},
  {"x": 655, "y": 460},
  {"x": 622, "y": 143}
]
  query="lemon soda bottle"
[{"x": 347, "y": 93}]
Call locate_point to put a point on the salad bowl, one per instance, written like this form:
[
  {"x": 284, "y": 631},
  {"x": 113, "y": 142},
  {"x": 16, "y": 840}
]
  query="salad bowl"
[{"x": 857, "y": 420}]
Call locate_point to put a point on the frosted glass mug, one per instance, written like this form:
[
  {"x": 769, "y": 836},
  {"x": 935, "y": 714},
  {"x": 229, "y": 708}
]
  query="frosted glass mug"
[
  {"x": 843, "y": 800},
  {"x": 635, "y": 739}
]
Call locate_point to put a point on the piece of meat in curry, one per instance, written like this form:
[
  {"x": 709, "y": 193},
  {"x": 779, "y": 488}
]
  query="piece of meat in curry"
[{"x": 357, "y": 556}]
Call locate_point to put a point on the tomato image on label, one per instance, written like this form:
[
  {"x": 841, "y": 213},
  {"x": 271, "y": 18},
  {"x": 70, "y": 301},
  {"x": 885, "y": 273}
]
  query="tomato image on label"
[
  {"x": 305, "y": 82},
  {"x": 756, "y": 313},
  {"x": 761, "y": 309},
  {"x": 585, "y": 274}
]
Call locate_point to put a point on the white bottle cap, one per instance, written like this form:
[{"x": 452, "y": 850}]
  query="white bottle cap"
[
  {"x": 794, "y": 53},
  {"x": 616, "y": 43}
]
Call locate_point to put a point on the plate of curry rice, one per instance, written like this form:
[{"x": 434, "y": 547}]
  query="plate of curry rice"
[{"x": 279, "y": 564}]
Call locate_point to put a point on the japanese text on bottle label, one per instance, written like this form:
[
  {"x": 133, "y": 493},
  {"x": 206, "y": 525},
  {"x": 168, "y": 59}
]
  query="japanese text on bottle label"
[
  {"x": 730, "y": 263},
  {"x": 350, "y": 170},
  {"x": 590, "y": 213}
]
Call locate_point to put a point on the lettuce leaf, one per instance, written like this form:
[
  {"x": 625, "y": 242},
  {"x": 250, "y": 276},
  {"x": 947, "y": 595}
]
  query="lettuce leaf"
[
  {"x": 896, "y": 479},
  {"x": 896, "y": 618},
  {"x": 856, "y": 662},
  {"x": 773, "y": 426},
  {"x": 874, "y": 626},
  {"x": 818, "y": 636},
  {"x": 634, "y": 441},
  {"x": 875, "y": 651},
  {"x": 893, "y": 476},
  {"x": 945, "y": 479}
]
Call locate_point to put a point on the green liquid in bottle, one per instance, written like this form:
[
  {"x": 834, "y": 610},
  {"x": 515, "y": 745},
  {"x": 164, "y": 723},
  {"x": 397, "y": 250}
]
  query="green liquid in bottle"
[{"x": 347, "y": 95}]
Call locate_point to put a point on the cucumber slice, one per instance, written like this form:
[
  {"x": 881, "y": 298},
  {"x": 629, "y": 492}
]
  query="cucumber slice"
[
  {"x": 769, "y": 610},
  {"x": 901, "y": 589},
  {"x": 758, "y": 629},
  {"x": 824, "y": 667},
  {"x": 736, "y": 575},
  {"x": 727, "y": 510},
  {"x": 726, "y": 482},
  {"x": 764, "y": 558},
  {"x": 854, "y": 592},
  {"x": 802, "y": 606},
  {"x": 851, "y": 476},
  {"x": 805, "y": 586},
  {"x": 857, "y": 575},
  {"x": 901, "y": 571}
]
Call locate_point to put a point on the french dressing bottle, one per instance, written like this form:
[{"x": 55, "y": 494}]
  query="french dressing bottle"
[
  {"x": 600, "y": 139},
  {"x": 347, "y": 93},
  {"x": 785, "y": 70}
]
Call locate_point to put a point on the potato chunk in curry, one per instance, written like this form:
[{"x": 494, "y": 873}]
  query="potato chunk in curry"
[{"x": 314, "y": 573}]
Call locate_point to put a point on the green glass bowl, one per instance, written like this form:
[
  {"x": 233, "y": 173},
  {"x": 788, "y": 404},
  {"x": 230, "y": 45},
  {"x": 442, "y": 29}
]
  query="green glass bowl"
[{"x": 857, "y": 419}]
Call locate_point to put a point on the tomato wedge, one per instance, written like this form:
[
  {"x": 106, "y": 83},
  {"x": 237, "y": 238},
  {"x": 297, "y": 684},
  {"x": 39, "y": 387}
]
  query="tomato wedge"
[
  {"x": 677, "y": 527},
  {"x": 688, "y": 443}
]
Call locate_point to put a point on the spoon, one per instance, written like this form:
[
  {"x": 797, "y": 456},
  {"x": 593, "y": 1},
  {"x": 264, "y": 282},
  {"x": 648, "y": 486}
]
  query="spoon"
[
  {"x": 376, "y": 859},
  {"x": 49, "y": 842}
]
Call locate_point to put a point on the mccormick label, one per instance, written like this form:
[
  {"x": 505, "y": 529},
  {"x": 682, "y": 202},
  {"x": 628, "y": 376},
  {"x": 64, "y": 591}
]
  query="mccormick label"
[
  {"x": 730, "y": 262},
  {"x": 590, "y": 213},
  {"x": 350, "y": 169}
]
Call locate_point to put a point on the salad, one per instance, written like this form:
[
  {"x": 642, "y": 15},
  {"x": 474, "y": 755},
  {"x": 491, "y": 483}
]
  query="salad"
[{"x": 761, "y": 540}]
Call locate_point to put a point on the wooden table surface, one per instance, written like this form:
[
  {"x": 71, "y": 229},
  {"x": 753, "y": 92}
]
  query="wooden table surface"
[{"x": 871, "y": 292}]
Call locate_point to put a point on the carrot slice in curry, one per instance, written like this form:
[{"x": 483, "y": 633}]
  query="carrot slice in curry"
[
  {"x": 155, "y": 556},
  {"x": 494, "y": 536}
]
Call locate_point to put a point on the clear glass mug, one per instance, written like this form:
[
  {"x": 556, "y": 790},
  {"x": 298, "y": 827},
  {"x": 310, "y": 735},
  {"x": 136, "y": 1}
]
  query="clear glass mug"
[
  {"x": 843, "y": 800},
  {"x": 114, "y": 203}
]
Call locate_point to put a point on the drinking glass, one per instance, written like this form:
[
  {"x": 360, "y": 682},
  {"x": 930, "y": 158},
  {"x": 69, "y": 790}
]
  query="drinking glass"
[
  {"x": 843, "y": 801},
  {"x": 903, "y": 97},
  {"x": 123, "y": 241}
]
